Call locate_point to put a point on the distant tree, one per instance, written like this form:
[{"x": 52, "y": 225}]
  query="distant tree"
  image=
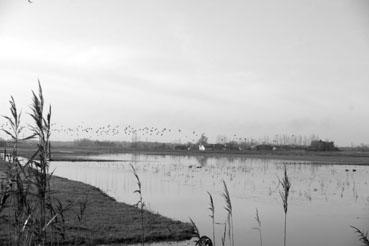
[
  {"x": 221, "y": 139},
  {"x": 203, "y": 139}
]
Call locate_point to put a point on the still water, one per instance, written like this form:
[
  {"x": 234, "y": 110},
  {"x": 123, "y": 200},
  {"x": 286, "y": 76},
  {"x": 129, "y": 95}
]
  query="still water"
[{"x": 324, "y": 199}]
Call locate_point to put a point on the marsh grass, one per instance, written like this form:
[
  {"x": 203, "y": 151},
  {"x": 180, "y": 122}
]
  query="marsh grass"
[
  {"x": 32, "y": 214},
  {"x": 18, "y": 182}
]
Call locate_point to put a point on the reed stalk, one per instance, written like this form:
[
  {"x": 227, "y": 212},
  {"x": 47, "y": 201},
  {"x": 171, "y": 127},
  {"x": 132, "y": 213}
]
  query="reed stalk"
[
  {"x": 41, "y": 129},
  {"x": 258, "y": 228},
  {"x": 224, "y": 234},
  {"x": 140, "y": 203},
  {"x": 286, "y": 185},
  {"x": 228, "y": 208}
]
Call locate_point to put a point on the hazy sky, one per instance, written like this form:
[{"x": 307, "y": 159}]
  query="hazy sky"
[{"x": 251, "y": 67}]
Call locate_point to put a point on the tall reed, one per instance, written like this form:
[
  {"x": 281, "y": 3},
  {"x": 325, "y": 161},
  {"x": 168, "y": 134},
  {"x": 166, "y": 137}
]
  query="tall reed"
[
  {"x": 140, "y": 203},
  {"x": 41, "y": 129},
  {"x": 286, "y": 185},
  {"x": 28, "y": 186},
  {"x": 18, "y": 180},
  {"x": 228, "y": 208}
]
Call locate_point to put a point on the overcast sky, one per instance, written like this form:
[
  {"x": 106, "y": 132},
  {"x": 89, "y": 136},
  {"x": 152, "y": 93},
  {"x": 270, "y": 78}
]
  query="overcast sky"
[{"x": 251, "y": 67}]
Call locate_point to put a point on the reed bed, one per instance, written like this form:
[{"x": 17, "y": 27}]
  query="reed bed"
[{"x": 32, "y": 213}]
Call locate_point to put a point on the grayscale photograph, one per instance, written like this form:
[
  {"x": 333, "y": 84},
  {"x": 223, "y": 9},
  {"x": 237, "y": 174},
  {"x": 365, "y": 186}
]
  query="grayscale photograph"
[{"x": 184, "y": 122}]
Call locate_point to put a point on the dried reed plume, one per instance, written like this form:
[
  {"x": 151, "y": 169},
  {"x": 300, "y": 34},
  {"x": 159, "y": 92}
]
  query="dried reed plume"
[
  {"x": 16, "y": 128},
  {"x": 41, "y": 129}
]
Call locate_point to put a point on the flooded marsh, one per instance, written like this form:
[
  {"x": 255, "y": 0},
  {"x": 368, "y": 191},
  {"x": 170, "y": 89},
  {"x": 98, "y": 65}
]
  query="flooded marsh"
[{"x": 324, "y": 199}]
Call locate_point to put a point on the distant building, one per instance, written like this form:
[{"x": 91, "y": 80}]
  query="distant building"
[
  {"x": 201, "y": 147},
  {"x": 320, "y": 145}
]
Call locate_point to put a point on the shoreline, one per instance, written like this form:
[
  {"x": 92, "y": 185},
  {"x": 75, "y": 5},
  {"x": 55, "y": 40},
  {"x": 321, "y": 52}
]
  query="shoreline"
[
  {"x": 323, "y": 158},
  {"x": 108, "y": 221}
]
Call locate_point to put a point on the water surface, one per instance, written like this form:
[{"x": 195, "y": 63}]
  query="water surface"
[{"x": 324, "y": 199}]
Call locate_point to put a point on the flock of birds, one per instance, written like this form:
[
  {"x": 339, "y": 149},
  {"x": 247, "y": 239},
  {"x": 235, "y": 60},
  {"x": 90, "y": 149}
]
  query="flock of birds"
[
  {"x": 121, "y": 132},
  {"x": 147, "y": 133},
  {"x": 110, "y": 131},
  {"x": 113, "y": 130}
]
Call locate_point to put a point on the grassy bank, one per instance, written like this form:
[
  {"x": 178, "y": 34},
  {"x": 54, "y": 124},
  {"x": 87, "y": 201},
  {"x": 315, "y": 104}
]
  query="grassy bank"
[{"x": 104, "y": 220}]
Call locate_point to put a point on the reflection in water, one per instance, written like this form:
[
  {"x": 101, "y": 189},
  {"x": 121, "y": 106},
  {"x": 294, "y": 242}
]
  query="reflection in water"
[{"x": 324, "y": 199}]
